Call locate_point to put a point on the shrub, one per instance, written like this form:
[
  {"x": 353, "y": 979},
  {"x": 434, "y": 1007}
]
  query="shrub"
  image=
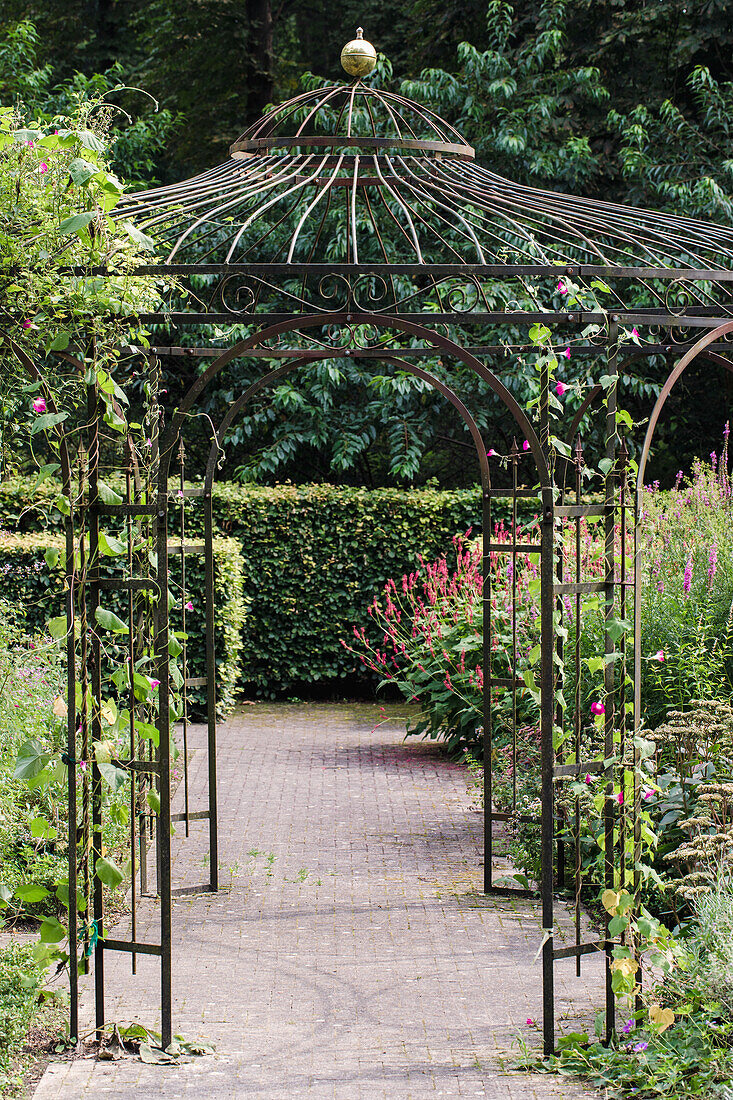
[{"x": 27, "y": 582}]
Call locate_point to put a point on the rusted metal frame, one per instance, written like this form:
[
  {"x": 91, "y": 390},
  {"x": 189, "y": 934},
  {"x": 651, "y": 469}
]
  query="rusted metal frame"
[
  {"x": 577, "y": 724},
  {"x": 486, "y": 700},
  {"x": 506, "y": 271},
  {"x": 547, "y": 685},
  {"x": 321, "y": 141},
  {"x": 623, "y": 811},
  {"x": 609, "y": 672},
  {"x": 162, "y": 663},
  {"x": 131, "y": 703},
  {"x": 183, "y": 593},
  {"x": 211, "y": 688},
  {"x": 514, "y": 547},
  {"x": 418, "y": 353},
  {"x": 95, "y": 661}
]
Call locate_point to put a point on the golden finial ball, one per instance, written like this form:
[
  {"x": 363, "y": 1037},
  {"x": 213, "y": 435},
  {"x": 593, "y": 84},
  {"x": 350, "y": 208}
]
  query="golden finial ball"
[{"x": 358, "y": 57}]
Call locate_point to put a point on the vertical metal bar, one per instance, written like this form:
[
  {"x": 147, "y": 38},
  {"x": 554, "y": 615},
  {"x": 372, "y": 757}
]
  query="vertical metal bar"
[
  {"x": 609, "y": 673},
  {"x": 514, "y": 672},
  {"x": 86, "y": 833},
  {"x": 184, "y": 716},
  {"x": 131, "y": 707},
  {"x": 547, "y": 708},
  {"x": 559, "y": 686},
  {"x": 486, "y": 692},
  {"x": 162, "y": 663},
  {"x": 578, "y": 687},
  {"x": 71, "y": 762},
  {"x": 211, "y": 688},
  {"x": 93, "y": 418},
  {"x": 623, "y": 809}
]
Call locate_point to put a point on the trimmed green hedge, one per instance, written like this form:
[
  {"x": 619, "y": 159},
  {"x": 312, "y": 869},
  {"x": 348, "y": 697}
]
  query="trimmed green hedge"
[
  {"x": 27, "y": 583},
  {"x": 313, "y": 558}
]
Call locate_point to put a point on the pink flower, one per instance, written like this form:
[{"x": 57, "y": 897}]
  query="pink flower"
[
  {"x": 530, "y": 1022},
  {"x": 189, "y": 606},
  {"x": 588, "y": 779},
  {"x": 30, "y": 144},
  {"x": 597, "y": 708},
  {"x": 525, "y": 445},
  {"x": 39, "y": 404},
  {"x": 635, "y": 332},
  {"x": 712, "y": 562},
  {"x": 659, "y": 656},
  {"x": 43, "y": 167},
  {"x": 566, "y": 353},
  {"x": 647, "y": 793},
  {"x": 560, "y": 389},
  {"x": 491, "y": 453},
  {"x": 180, "y": 492},
  {"x": 562, "y": 289},
  {"x": 27, "y": 323},
  {"x": 620, "y": 798},
  {"x": 155, "y": 683},
  {"x": 687, "y": 580},
  {"x": 148, "y": 443}
]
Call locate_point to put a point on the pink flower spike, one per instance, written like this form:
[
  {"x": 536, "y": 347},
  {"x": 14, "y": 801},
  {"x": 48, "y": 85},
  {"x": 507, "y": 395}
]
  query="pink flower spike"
[
  {"x": 43, "y": 167},
  {"x": 189, "y": 606},
  {"x": 597, "y": 708},
  {"x": 566, "y": 353},
  {"x": 525, "y": 445},
  {"x": 39, "y": 405},
  {"x": 560, "y": 389},
  {"x": 562, "y": 289},
  {"x": 659, "y": 656},
  {"x": 27, "y": 323}
]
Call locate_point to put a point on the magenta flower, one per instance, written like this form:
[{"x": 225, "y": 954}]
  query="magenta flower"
[
  {"x": 597, "y": 708},
  {"x": 39, "y": 404},
  {"x": 687, "y": 580},
  {"x": 635, "y": 332},
  {"x": 560, "y": 389},
  {"x": 620, "y": 798},
  {"x": 712, "y": 562},
  {"x": 566, "y": 353},
  {"x": 525, "y": 445},
  {"x": 155, "y": 683},
  {"x": 627, "y": 1027},
  {"x": 659, "y": 656},
  {"x": 491, "y": 453},
  {"x": 639, "y": 1047},
  {"x": 30, "y": 144},
  {"x": 180, "y": 492},
  {"x": 189, "y": 606},
  {"x": 530, "y": 1022},
  {"x": 27, "y": 323},
  {"x": 148, "y": 443},
  {"x": 43, "y": 167},
  {"x": 588, "y": 778},
  {"x": 562, "y": 289},
  {"x": 647, "y": 793}
]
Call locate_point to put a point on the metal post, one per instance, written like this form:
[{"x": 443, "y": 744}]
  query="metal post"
[
  {"x": 609, "y": 674},
  {"x": 486, "y": 692},
  {"x": 164, "y": 818},
  {"x": 211, "y": 688},
  {"x": 547, "y": 706}
]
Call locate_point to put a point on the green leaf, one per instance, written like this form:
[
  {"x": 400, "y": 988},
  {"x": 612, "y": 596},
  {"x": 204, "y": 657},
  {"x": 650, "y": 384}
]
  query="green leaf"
[
  {"x": 81, "y": 171},
  {"x": 107, "y": 494},
  {"x": 153, "y": 800},
  {"x": 31, "y": 893},
  {"x": 89, "y": 140},
  {"x": 45, "y": 472},
  {"x": 109, "y": 621},
  {"x": 52, "y": 560},
  {"x": 108, "y": 872},
  {"x": 42, "y": 830},
  {"x": 139, "y": 237},
  {"x": 111, "y": 546},
  {"x": 48, "y": 420},
  {"x": 52, "y": 931},
  {"x": 113, "y": 776},
  {"x": 5, "y": 895},
  {"x": 31, "y": 760},
  {"x": 147, "y": 731},
  {"x": 76, "y": 224},
  {"x": 59, "y": 343},
  {"x": 57, "y": 627}
]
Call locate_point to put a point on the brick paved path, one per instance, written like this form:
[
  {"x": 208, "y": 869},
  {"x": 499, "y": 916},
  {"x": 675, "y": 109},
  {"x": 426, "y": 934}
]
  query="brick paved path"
[{"x": 348, "y": 954}]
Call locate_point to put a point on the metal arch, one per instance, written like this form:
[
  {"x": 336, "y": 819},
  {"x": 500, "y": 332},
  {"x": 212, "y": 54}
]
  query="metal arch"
[
  {"x": 294, "y": 364},
  {"x": 696, "y": 350},
  {"x": 379, "y": 321}
]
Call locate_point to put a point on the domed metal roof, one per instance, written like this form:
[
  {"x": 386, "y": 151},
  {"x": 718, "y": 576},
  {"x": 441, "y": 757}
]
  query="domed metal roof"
[{"x": 351, "y": 174}]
